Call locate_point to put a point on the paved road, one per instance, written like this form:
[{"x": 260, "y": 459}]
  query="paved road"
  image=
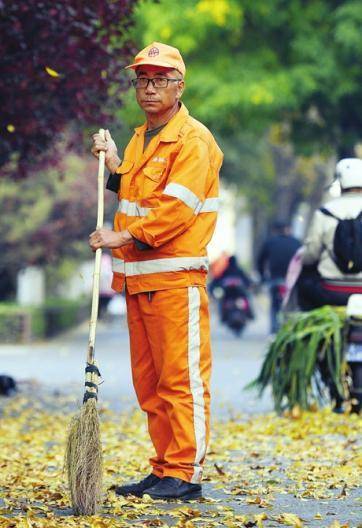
[{"x": 59, "y": 363}]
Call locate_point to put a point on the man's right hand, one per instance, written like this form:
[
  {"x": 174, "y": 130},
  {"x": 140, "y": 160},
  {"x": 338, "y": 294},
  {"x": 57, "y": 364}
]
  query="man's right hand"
[{"x": 109, "y": 147}]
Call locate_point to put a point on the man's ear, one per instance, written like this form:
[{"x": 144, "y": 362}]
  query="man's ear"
[{"x": 181, "y": 87}]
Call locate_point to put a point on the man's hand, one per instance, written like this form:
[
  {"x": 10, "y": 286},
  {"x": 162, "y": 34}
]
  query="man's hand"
[
  {"x": 109, "y": 147},
  {"x": 106, "y": 238}
]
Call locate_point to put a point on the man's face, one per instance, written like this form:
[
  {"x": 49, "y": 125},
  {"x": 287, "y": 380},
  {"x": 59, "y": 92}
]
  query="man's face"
[{"x": 158, "y": 100}]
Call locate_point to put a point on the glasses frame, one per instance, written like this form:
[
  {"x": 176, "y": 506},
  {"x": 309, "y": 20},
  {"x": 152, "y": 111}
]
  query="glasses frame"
[{"x": 152, "y": 81}]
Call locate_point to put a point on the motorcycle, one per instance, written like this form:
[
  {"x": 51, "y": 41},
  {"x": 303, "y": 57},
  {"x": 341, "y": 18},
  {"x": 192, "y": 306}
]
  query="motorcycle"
[
  {"x": 353, "y": 350},
  {"x": 235, "y": 308},
  {"x": 352, "y": 343}
]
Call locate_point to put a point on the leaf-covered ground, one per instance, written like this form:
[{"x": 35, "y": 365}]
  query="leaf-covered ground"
[{"x": 263, "y": 471}]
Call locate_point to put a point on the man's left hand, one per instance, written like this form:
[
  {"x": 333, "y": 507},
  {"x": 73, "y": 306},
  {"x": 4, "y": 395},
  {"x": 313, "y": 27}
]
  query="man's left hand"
[{"x": 106, "y": 238}]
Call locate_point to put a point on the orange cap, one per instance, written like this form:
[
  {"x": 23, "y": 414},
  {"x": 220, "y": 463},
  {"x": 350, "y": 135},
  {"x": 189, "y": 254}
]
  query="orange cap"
[{"x": 158, "y": 54}]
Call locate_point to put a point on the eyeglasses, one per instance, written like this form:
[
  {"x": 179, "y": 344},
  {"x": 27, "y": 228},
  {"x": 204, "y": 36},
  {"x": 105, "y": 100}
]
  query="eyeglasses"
[{"x": 157, "y": 82}]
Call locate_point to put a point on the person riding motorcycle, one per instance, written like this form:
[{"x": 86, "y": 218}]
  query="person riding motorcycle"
[
  {"x": 332, "y": 265},
  {"x": 235, "y": 284},
  {"x": 324, "y": 281}
]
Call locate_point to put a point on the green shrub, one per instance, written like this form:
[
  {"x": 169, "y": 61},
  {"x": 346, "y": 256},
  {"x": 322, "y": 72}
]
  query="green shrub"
[
  {"x": 22, "y": 323},
  {"x": 13, "y": 322},
  {"x": 61, "y": 314}
]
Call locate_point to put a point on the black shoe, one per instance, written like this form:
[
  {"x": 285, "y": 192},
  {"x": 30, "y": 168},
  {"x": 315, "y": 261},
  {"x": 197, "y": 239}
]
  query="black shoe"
[
  {"x": 338, "y": 410},
  {"x": 174, "y": 488},
  {"x": 137, "y": 489}
]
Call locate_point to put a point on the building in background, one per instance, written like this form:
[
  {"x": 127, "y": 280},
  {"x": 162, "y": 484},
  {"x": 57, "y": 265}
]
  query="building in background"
[{"x": 233, "y": 233}]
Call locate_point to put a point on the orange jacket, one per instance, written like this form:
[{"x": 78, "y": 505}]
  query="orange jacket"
[{"x": 168, "y": 199}]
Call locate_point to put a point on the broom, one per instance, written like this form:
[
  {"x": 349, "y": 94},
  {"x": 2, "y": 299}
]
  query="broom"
[{"x": 83, "y": 457}]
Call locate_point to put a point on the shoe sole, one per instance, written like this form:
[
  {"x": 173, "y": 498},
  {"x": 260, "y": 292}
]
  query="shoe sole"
[
  {"x": 188, "y": 497},
  {"x": 129, "y": 494}
]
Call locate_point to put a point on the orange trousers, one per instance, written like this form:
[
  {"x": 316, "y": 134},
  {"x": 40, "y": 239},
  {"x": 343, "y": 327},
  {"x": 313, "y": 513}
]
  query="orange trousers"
[{"x": 171, "y": 367}]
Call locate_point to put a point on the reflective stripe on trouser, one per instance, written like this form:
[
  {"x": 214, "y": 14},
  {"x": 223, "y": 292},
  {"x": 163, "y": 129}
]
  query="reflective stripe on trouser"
[{"x": 171, "y": 366}]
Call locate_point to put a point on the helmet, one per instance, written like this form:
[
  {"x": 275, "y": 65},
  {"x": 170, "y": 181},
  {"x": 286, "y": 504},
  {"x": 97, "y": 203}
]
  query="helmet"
[{"x": 349, "y": 172}]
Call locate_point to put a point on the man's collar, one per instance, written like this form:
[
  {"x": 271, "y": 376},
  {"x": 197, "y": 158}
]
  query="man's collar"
[{"x": 171, "y": 130}]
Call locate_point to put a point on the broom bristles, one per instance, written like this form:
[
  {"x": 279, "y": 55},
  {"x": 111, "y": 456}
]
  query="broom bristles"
[{"x": 83, "y": 460}]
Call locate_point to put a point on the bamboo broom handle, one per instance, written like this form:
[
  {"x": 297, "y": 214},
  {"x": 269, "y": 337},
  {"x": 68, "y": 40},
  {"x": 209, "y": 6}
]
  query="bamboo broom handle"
[{"x": 97, "y": 263}]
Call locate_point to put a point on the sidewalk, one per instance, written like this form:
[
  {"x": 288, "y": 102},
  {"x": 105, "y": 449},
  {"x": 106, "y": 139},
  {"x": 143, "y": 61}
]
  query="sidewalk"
[{"x": 261, "y": 470}]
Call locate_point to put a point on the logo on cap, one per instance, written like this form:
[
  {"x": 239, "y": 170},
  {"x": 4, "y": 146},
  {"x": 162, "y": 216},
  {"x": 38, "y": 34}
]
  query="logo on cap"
[{"x": 153, "y": 52}]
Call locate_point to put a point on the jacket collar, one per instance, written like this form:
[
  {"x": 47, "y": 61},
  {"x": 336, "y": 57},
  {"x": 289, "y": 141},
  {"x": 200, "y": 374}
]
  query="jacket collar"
[{"x": 171, "y": 131}]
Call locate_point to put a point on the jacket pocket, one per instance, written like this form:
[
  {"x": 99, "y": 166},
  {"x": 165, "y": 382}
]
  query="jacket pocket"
[
  {"x": 152, "y": 177},
  {"x": 153, "y": 173}
]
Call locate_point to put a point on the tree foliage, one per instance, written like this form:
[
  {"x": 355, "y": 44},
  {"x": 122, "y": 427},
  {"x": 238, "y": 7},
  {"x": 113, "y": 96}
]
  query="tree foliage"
[
  {"x": 252, "y": 63},
  {"x": 49, "y": 221},
  {"x": 277, "y": 82},
  {"x": 58, "y": 60}
]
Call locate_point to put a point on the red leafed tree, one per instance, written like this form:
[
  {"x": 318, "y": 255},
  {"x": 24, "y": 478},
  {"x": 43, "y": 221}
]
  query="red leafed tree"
[{"x": 58, "y": 60}]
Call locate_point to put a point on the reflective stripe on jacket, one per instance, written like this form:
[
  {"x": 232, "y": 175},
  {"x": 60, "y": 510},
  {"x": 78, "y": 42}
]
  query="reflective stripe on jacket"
[{"x": 168, "y": 199}]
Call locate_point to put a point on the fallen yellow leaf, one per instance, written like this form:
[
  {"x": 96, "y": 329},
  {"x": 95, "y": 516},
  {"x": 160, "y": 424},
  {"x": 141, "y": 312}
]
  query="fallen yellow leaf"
[
  {"x": 51, "y": 72},
  {"x": 291, "y": 520}
]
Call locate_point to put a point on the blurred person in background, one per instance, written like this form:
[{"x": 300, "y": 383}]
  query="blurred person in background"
[
  {"x": 332, "y": 269},
  {"x": 167, "y": 185},
  {"x": 332, "y": 258},
  {"x": 218, "y": 266},
  {"x": 232, "y": 269},
  {"x": 275, "y": 255},
  {"x": 231, "y": 289}
]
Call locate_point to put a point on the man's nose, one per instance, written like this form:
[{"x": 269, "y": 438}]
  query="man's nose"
[{"x": 150, "y": 88}]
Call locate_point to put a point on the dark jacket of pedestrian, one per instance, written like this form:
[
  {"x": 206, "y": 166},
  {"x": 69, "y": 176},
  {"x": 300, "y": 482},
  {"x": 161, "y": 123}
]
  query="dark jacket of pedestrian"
[{"x": 276, "y": 254}]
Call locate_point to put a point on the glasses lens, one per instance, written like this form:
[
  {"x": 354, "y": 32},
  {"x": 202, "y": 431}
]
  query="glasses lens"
[
  {"x": 160, "y": 82},
  {"x": 140, "y": 82}
]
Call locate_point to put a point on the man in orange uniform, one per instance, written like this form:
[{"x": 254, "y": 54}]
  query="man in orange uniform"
[{"x": 167, "y": 185}]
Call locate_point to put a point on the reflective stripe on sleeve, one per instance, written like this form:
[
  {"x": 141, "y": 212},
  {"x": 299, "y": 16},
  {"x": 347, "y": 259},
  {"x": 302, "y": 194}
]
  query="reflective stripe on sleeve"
[
  {"x": 123, "y": 206},
  {"x": 184, "y": 194},
  {"x": 132, "y": 208},
  {"x": 210, "y": 205}
]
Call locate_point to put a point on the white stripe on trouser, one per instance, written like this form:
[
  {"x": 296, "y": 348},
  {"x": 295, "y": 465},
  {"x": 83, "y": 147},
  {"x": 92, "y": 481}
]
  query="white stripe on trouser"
[{"x": 196, "y": 386}]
